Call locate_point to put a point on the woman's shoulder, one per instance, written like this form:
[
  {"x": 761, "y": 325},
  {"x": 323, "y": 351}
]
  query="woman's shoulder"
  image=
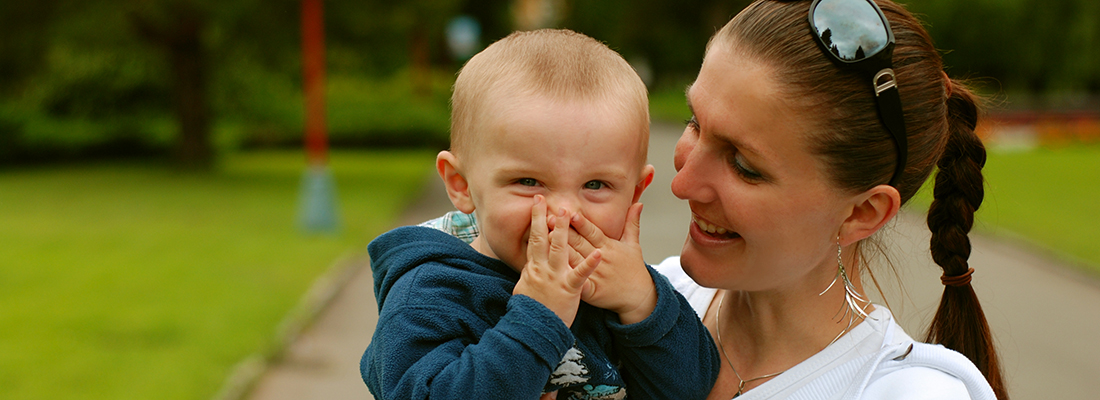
[
  {"x": 699, "y": 297},
  {"x": 926, "y": 371},
  {"x": 917, "y": 383}
]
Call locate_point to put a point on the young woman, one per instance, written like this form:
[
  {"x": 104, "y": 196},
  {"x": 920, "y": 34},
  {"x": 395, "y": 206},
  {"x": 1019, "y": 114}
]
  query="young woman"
[{"x": 813, "y": 123}]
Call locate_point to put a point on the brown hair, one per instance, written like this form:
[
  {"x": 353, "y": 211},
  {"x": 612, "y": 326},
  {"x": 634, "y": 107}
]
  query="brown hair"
[
  {"x": 558, "y": 63},
  {"x": 940, "y": 117}
]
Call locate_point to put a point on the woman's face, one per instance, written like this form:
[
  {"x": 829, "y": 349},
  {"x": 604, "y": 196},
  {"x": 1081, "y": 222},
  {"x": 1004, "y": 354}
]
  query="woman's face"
[{"x": 764, "y": 215}]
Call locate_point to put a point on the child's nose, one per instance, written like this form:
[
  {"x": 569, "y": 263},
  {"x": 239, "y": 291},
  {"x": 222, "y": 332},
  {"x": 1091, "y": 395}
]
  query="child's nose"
[{"x": 556, "y": 202}]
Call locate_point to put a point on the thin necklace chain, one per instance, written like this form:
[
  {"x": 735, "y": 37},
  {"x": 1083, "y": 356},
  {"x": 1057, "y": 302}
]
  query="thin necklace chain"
[
  {"x": 743, "y": 381},
  {"x": 718, "y": 329}
]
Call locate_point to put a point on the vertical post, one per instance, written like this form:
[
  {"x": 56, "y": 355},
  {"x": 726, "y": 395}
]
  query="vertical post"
[
  {"x": 317, "y": 212},
  {"x": 313, "y": 71}
]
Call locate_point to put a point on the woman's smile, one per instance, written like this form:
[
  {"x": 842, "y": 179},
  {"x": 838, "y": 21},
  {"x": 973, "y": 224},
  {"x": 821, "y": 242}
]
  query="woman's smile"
[{"x": 705, "y": 232}]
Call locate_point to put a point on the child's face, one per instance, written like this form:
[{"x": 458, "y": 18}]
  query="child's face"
[{"x": 578, "y": 154}]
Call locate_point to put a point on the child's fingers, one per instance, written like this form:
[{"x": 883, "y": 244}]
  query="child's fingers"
[
  {"x": 588, "y": 290},
  {"x": 589, "y": 232},
  {"x": 633, "y": 228},
  {"x": 575, "y": 258},
  {"x": 579, "y": 277},
  {"x": 580, "y": 245},
  {"x": 538, "y": 241},
  {"x": 559, "y": 241}
]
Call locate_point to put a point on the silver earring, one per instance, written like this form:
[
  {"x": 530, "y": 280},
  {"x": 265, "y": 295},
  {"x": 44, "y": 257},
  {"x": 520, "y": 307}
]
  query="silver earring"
[{"x": 851, "y": 308}]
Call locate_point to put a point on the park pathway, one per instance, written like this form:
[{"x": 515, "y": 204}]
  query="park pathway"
[{"x": 1045, "y": 315}]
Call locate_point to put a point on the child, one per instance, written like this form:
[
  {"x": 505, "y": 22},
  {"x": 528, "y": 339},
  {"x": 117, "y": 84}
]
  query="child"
[{"x": 547, "y": 126}]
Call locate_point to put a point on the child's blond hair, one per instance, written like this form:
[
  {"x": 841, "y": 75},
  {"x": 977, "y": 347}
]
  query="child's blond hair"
[{"x": 558, "y": 63}]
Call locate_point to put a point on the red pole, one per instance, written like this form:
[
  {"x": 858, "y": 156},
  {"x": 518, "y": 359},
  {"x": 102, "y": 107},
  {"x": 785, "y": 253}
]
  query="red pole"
[{"x": 313, "y": 69}]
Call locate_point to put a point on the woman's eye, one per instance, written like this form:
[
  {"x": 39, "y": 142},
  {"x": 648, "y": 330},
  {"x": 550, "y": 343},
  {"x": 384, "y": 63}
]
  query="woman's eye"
[
  {"x": 748, "y": 173},
  {"x": 692, "y": 123},
  {"x": 527, "y": 182},
  {"x": 594, "y": 185}
]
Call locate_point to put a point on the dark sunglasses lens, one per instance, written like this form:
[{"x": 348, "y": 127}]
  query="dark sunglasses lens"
[{"x": 851, "y": 29}]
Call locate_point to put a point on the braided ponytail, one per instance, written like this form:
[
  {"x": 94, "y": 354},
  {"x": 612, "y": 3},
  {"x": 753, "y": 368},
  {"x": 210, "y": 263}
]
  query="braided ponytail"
[{"x": 959, "y": 323}]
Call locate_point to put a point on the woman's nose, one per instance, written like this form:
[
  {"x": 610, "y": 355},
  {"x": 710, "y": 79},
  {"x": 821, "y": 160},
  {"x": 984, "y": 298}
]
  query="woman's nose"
[
  {"x": 683, "y": 147},
  {"x": 692, "y": 180}
]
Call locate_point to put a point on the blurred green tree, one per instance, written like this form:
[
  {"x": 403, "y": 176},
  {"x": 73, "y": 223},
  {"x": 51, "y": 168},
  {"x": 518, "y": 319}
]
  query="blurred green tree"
[
  {"x": 176, "y": 27},
  {"x": 90, "y": 75},
  {"x": 669, "y": 36},
  {"x": 1038, "y": 47}
]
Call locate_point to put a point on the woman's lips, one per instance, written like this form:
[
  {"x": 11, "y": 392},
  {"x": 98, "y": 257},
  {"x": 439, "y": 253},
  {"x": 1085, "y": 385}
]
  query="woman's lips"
[{"x": 712, "y": 230}]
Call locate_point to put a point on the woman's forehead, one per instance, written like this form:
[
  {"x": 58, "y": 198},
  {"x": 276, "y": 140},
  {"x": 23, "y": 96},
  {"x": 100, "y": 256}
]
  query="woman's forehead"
[{"x": 738, "y": 102}]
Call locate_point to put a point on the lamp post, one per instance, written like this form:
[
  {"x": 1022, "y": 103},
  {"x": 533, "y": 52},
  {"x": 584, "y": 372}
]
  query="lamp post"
[{"x": 317, "y": 200}]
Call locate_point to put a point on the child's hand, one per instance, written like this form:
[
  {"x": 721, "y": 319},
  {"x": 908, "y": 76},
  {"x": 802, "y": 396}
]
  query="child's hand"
[
  {"x": 548, "y": 277},
  {"x": 622, "y": 284}
]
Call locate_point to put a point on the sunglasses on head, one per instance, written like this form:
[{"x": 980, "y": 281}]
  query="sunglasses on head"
[{"x": 856, "y": 34}]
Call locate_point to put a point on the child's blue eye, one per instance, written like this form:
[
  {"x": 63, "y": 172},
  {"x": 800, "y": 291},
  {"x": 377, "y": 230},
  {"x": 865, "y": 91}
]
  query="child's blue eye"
[
  {"x": 527, "y": 181},
  {"x": 594, "y": 185}
]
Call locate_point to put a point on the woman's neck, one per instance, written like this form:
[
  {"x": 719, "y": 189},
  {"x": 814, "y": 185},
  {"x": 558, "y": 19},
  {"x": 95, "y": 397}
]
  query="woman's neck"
[{"x": 771, "y": 331}]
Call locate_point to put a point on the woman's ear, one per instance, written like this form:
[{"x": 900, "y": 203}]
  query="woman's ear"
[
  {"x": 647, "y": 178},
  {"x": 871, "y": 211},
  {"x": 458, "y": 189}
]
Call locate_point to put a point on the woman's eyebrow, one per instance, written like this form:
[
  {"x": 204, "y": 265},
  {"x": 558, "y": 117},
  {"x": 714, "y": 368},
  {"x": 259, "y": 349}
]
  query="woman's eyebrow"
[
  {"x": 687, "y": 97},
  {"x": 740, "y": 146},
  {"x": 725, "y": 141}
]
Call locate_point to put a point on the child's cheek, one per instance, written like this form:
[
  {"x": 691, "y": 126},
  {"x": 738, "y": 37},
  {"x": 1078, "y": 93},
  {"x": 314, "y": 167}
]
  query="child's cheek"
[{"x": 610, "y": 220}]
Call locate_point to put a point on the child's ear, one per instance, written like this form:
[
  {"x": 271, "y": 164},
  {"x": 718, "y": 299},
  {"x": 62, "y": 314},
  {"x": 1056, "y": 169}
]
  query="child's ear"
[
  {"x": 458, "y": 189},
  {"x": 647, "y": 178}
]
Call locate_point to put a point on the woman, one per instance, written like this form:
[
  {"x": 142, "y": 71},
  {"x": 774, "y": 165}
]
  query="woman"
[{"x": 798, "y": 152}]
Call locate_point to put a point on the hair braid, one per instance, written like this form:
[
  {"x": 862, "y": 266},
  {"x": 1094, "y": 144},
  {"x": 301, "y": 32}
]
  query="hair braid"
[{"x": 960, "y": 323}]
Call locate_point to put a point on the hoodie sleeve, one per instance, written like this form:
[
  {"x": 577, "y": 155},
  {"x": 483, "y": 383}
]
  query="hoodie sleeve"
[
  {"x": 446, "y": 351},
  {"x": 670, "y": 354}
]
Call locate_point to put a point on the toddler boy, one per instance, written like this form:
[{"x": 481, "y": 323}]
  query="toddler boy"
[{"x": 548, "y": 127}]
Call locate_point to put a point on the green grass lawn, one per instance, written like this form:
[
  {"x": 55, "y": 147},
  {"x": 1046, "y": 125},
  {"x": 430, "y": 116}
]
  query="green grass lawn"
[
  {"x": 130, "y": 280},
  {"x": 1047, "y": 196}
]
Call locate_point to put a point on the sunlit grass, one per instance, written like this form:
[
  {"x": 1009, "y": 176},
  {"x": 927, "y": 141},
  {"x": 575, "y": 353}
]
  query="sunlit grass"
[{"x": 128, "y": 280}]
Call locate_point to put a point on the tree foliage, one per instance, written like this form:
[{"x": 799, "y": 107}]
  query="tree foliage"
[
  {"x": 81, "y": 74},
  {"x": 1030, "y": 46}
]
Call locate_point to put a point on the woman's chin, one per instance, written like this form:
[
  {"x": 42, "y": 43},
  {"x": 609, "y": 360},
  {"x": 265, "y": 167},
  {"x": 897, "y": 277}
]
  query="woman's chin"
[{"x": 705, "y": 270}]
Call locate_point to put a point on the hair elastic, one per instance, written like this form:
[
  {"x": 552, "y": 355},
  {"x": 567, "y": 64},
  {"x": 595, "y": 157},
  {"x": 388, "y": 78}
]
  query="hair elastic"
[{"x": 958, "y": 280}]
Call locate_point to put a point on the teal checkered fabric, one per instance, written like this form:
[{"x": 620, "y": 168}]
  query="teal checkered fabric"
[{"x": 457, "y": 224}]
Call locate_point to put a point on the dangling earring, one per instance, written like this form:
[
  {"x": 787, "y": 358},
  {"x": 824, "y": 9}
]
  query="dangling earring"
[{"x": 850, "y": 308}]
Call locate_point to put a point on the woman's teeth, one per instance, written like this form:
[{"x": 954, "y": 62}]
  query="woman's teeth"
[{"x": 708, "y": 228}]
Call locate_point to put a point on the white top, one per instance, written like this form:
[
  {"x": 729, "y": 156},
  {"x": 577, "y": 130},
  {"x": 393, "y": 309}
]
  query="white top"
[{"x": 872, "y": 361}]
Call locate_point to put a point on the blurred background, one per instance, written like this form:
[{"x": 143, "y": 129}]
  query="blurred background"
[{"x": 151, "y": 162}]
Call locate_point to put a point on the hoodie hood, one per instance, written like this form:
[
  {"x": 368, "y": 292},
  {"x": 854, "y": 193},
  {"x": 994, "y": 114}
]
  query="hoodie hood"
[{"x": 400, "y": 251}]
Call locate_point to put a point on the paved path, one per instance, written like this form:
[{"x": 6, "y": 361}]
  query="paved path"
[{"x": 1046, "y": 317}]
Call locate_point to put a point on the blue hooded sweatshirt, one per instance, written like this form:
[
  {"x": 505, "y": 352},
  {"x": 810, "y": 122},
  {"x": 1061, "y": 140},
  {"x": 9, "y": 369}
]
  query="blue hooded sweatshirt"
[{"x": 449, "y": 327}]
